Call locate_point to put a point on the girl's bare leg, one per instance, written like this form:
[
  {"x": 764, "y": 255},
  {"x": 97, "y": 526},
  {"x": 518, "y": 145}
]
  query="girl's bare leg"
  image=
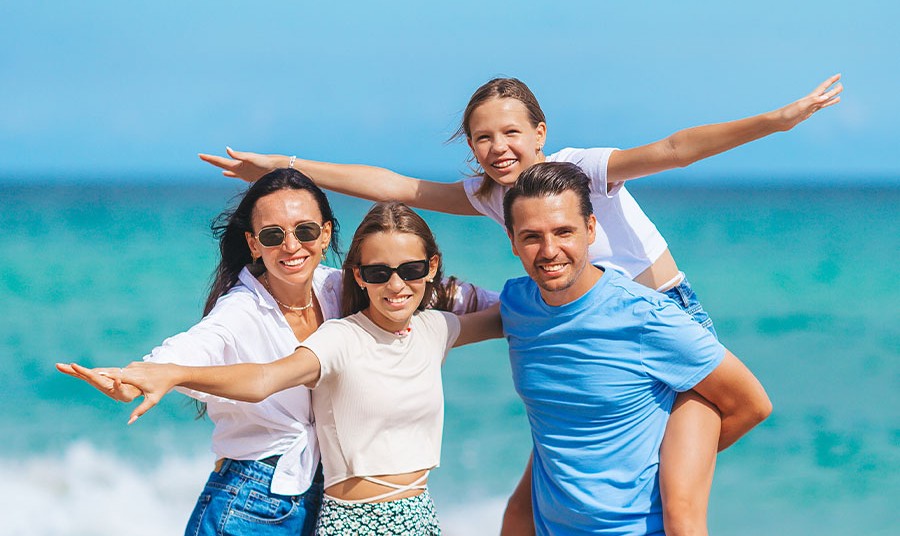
[
  {"x": 518, "y": 519},
  {"x": 687, "y": 462}
]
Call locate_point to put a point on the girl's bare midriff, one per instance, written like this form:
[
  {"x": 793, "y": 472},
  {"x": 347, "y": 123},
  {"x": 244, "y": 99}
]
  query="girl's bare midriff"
[
  {"x": 662, "y": 272},
  {"x": 355, "y": 488}
]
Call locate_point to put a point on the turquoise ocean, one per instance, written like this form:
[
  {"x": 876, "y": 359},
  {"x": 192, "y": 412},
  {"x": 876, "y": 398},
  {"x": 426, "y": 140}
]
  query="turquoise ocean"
[{"x": 802, "y": 283}]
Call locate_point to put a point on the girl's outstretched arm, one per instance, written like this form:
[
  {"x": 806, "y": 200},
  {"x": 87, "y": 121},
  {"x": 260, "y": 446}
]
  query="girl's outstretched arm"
[
  {"x": 368, "y": 182},
  {"x": 690, "y": 145},
  {"x": 247, "y": 382}
]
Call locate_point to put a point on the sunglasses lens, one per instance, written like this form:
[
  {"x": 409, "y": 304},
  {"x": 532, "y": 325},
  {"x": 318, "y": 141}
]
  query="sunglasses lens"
[
  {"x": 375, "y": 273},
  {"x": 271, "y": 236},
  {"x": 381, "y": 273},
  {"x": 307, "y": 232},
  {"x": 409, "y": 271},
  {"x": 274, "y": 236}
]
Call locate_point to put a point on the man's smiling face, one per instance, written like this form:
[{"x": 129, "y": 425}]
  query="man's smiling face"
[{"x": 551, "y": 238}]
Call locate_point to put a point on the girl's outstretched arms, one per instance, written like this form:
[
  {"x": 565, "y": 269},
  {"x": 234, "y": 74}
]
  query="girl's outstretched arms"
[
  {"x": 368, "y": 182},
  {"x": 690, "y": 145}
]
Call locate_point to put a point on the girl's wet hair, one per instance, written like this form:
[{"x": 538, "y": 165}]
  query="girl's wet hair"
[
  {"x": 395, "y": 217},
  {"x": 497, "y": 88}
]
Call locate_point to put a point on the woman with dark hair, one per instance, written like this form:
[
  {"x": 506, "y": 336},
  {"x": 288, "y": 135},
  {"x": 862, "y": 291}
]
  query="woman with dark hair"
[
  {"x": 375, "y": 375},
  {"x": 269, "y": 292}
]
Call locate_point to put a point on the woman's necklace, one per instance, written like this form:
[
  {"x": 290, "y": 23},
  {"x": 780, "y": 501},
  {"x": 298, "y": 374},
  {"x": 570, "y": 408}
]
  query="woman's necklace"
[{"x": 292, "y": 308}]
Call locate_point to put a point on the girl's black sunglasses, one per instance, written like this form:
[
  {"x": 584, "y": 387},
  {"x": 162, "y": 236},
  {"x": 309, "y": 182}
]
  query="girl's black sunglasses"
[{"x": 381, "y": 273}]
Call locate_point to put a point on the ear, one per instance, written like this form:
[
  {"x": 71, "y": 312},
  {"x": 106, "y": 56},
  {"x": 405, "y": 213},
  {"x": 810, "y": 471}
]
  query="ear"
[
  {"x": 325, "y": 237},
  {"x": 357, "y": 277},
  {"x": 541, "y": 134},
  {"x": 512, "y": 243},
  {"x": 591, "y": 229},
  {"x": 470, "y": 144},
  {"x": 255, "y": 250},
  {"x": 433, "y": 264}
]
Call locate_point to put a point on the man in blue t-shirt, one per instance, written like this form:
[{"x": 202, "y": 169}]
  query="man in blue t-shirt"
[{"x": 598, "y": 360}]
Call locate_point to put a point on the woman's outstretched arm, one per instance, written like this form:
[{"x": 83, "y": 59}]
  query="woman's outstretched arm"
[
  {"x": 690, "y": 145},
  {"x": 367, "y": 182}
]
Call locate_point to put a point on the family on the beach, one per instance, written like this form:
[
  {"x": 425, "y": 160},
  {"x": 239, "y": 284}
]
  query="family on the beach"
[{"x": 325, "y": 387}]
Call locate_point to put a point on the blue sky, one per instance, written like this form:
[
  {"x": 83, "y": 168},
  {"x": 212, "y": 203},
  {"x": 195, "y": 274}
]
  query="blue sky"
[{"x": 128, "y": 91}]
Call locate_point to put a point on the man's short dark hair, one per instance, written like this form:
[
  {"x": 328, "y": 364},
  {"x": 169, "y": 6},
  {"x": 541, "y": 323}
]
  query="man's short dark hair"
[{"x": 547, "y": 179}]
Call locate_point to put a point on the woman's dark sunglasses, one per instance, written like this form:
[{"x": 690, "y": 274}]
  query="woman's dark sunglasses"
[
  {"x": 274, "y": 235},
  {"x": 381, "y": 273}
]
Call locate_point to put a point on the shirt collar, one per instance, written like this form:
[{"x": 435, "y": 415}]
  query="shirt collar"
[
  {"x": 248, "y": 280},
  {"x": 322, "y": 285}
]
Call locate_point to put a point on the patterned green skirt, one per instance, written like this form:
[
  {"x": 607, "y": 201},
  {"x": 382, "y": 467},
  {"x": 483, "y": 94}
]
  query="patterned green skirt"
[{"x": 409, "y": 516}]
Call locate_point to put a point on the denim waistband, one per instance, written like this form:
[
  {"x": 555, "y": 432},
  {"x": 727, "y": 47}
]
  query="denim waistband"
[
  {"x": 682, "y": 293},
  {"x": 265, "y": 467},
  {"x": 258, "y": 469}
]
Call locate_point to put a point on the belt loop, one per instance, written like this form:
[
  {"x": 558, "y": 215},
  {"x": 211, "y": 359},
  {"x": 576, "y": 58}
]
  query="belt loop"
[
  {"x": 226, "y": 463},
  {"x": 683, "y": 293}
]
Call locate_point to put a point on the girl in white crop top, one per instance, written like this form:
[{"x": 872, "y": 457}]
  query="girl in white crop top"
[
  {"x": 505, "y": 128},
  {"x": 375, "y": 375}
]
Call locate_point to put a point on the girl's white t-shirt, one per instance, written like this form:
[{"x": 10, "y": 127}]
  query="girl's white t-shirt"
[{"x": 379, "y": 402}]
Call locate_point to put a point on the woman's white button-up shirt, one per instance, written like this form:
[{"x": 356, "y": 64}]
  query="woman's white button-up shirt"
[{"x": 246, "y": 326}]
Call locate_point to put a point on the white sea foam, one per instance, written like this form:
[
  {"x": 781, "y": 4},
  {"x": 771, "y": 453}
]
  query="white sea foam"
[
  {"x": 85, "y": 491},
  {"x": 481, "y": 517}
]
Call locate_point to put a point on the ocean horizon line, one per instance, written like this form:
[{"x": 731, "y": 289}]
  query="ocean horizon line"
[{"x": 669, "y": 181}]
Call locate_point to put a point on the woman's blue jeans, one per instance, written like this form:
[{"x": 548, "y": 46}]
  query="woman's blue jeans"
[{"x": 236, "y": 501}]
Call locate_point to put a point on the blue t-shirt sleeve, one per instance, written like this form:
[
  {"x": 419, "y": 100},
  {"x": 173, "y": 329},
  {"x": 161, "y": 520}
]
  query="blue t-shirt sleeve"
[
  {"x": 514, "y": 310},
  {"x": 675, "y": 349}
]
